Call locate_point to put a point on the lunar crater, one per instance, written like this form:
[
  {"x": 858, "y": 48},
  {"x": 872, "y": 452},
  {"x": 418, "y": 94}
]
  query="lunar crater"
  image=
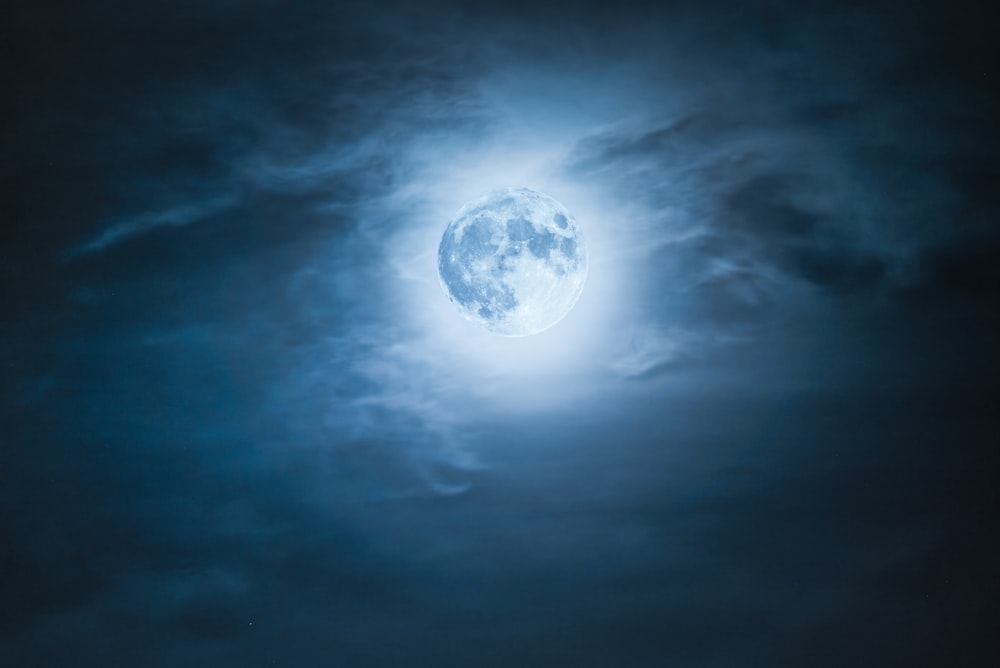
[{"x": 514, "y": 261}]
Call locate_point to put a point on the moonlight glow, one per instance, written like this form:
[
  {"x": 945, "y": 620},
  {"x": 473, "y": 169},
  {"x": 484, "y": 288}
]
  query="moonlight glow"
[{"x": 513, "y": 261}]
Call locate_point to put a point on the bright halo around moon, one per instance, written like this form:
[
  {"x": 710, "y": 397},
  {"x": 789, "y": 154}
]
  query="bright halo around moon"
[{"x": 513, "y": 261}]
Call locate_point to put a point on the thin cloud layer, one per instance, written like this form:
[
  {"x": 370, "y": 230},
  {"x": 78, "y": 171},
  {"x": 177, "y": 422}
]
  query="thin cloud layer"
[{"x": 244, "y": 425}]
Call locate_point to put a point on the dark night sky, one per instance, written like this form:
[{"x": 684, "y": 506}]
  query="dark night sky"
[{"x": 241, "y": 425}]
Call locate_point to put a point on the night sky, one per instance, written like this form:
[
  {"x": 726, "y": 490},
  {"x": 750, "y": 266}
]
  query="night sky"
[{"x": 242, "y": 425}]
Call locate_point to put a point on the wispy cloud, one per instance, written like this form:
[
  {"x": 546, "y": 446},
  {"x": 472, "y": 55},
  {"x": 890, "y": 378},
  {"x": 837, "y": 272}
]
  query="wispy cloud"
[{"x": 128, "y": 228}]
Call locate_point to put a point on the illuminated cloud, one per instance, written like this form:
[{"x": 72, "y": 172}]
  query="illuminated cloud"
[{"x": 244, "y": 425}]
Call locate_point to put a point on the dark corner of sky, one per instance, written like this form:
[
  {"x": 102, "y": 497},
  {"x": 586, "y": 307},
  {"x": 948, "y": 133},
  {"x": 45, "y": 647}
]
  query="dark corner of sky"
[{"x": 242, "y": 424}]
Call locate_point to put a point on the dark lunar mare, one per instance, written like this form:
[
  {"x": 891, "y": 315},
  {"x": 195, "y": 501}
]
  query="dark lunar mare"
[{"x": 492, "y": 297}]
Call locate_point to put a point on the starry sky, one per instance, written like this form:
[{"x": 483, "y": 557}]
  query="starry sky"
[{"x": 241, "y": 424}]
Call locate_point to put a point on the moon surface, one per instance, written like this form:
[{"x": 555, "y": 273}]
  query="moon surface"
[{"x": 513, "y": 261}]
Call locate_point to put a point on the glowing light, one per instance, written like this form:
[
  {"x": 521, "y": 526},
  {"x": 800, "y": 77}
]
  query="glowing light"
[{"x": 513, "y": 261}]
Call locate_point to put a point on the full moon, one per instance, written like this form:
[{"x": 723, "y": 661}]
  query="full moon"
[{"x": 513, "y": 261}]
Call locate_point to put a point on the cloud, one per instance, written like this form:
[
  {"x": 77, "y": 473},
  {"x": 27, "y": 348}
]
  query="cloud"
[
  {"x": 267, "y": 411},
  {"x": 123, "y": 230},
  {"x": 965, "y": 269}
]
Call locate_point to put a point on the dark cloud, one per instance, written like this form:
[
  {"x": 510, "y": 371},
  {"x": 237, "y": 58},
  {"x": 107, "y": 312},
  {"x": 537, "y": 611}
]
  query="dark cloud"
[
  {"x": 241, "y": 426},
  {"x": 965, "y": 270}
]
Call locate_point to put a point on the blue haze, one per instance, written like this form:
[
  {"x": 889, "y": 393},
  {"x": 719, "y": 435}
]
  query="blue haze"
[{"x": 241, "y": 425}]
